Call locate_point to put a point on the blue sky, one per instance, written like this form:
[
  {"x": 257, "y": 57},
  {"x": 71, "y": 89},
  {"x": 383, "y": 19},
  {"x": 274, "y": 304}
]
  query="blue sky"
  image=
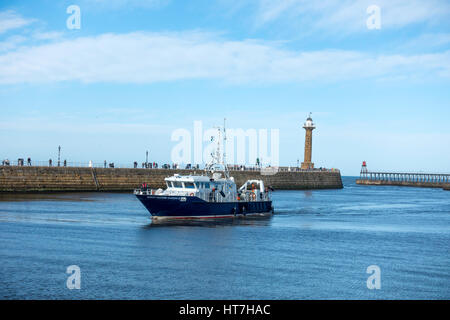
[{"x": 137, "y": 70}]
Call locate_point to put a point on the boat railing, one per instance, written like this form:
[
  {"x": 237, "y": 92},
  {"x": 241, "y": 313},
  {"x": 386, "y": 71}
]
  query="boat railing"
[
  {"x": 144, "y": 191},
  {"x": 215, "y": 196},
  {"x": 209, "y": 196},
  {"x": 148, "y": 192},
  {"x": 248, "y": 196}
]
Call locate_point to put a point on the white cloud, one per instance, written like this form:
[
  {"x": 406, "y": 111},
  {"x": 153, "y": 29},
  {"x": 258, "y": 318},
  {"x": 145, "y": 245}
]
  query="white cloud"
[
  {"x": 47, "y": 35},
  {"x": 40, "y": 124},
  {"x": 10, "y": 20},
  {"x": 14, "y": 41},
  {"x": 11, "y": 43},
  {"x": 349, "y": 16},
  {"x": 427, "y": 41},
  {"x": 154, "y": 57},
  {"x": 116, "y": 4}
]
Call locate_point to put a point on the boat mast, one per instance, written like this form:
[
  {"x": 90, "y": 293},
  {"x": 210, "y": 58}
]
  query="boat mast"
[
  {"x": 219, "y": 158},
  {"x": 224, "y": 154}
]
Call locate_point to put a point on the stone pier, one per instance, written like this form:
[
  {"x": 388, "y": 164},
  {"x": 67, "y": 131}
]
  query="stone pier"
[{"x": 53, "y": 179}]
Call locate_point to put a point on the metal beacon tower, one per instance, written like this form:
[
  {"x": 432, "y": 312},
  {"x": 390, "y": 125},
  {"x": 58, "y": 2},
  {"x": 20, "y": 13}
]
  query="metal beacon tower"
[{"x": 309, "y": 127}]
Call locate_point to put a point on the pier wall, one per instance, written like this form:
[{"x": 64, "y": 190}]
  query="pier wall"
[
  {"x": 403, "y": 183},
  {"x": 53, "y": 179},
  {"x": 404, "y": 179}
]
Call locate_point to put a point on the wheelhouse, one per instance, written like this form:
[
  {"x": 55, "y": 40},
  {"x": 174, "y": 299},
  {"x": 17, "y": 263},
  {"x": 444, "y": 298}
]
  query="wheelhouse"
[
  {"x": 179, "y": 183},
  {"x": 208, "y": 189}
]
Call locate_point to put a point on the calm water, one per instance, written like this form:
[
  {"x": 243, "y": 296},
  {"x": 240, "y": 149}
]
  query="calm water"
[{"x": 317, "y": 246}]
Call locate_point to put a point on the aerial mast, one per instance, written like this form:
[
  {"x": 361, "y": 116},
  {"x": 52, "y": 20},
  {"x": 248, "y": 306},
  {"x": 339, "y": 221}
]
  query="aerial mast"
[
  {"x": 219, "y": 157},
  {"x": 224, "y": 142},
  {"x": 224, "y": 160}
]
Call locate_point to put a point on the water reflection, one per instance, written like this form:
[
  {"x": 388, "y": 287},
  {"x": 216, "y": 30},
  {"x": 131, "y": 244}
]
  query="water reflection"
[
  {"x": 56, "y": 196},
  {"x": 255, "y": 221},
  {"x": 308, "y": 194}
]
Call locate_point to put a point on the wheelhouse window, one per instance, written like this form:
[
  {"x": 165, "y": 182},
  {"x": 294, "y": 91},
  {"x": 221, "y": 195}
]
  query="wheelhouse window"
[
  {"x": 177, "y": 184},
  {"x": 207, "y": 185},
  {"x": 189, "y": 185}
]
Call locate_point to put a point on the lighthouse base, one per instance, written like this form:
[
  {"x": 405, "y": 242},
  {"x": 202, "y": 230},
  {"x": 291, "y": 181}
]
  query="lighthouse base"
[{"x": 307, "y": 165}]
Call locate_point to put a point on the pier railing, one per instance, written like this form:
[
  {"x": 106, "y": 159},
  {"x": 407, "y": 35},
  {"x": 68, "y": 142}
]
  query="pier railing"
[
  {"x": 406, "y": 177},
  {"x": 150, "y": 166}
]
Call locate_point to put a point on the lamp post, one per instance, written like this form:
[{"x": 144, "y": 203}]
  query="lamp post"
[
  {"x": 146, "y": 159},
  {"x": 59, "y": 155}
]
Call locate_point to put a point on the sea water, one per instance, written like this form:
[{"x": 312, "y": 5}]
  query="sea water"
[{"x": 319, "y": 244}]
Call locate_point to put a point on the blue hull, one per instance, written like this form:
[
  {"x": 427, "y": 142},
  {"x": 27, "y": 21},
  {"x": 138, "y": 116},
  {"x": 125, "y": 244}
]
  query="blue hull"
[{"x": 193, "y": 207}]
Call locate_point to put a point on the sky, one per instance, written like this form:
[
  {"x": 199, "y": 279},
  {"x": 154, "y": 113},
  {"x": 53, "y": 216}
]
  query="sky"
[{"x": 135, "y": 71}]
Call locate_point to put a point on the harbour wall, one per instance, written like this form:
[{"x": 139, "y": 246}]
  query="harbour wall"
[
  {"x": 445, "y": 186},
  {"x": 69, "y": 179}
]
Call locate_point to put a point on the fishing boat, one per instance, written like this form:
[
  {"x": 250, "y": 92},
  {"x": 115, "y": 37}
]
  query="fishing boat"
[{"x": 210, "y": 195}]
